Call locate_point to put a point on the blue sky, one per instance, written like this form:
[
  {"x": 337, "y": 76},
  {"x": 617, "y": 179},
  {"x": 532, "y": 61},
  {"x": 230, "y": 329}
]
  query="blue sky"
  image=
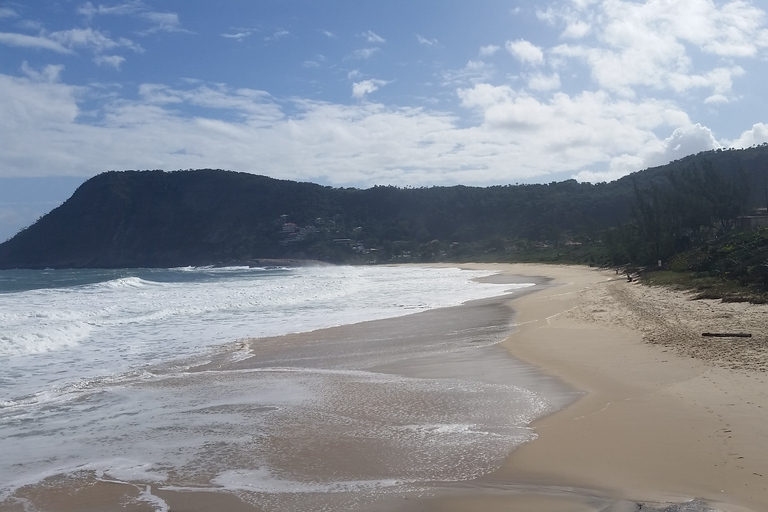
[{"x": 366, "y": 92}]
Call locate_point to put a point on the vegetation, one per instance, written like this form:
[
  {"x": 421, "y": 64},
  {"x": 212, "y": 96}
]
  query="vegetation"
[
  {"x": 684, "y": 214},
  {"x": 694, "y": 225},
  {"x": 733, "y": 268}
]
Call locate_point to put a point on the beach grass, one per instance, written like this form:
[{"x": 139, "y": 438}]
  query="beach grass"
[{"x": 704, "y": 286}]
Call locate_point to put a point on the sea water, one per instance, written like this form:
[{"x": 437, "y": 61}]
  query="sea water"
[{"x": 98, "y": 374}]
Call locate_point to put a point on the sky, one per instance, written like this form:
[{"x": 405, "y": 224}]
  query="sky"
[{"x": 357, "y": 93}]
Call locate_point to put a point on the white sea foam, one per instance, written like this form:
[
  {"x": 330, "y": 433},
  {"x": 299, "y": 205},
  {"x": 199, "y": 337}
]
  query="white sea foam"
[
  {"x": 125, "y": 282},
  {"x": 128, "y": 470},
  {"x": 43, "y": 337},
  {"x": 132, "y": 321},
  {"x": 147, "y": 497},
  {"x": 262, "y": 480}
]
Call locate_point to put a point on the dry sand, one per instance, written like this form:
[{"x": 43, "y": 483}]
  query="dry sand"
[{"x": 668, "y": 416}]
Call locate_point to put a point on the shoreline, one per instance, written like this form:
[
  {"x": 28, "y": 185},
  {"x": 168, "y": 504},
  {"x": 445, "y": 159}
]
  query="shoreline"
[
  {"x": 657, "y": 426},
  {"x": 327, "y": 419},
  {"x": 662, "y": 418}
]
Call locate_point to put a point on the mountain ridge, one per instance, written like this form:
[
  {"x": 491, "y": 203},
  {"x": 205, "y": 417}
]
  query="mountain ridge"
[{"x": 203, "y": 217}]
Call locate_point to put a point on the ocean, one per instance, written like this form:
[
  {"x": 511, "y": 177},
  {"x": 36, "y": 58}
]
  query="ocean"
[{"x": 289, "y": 388}]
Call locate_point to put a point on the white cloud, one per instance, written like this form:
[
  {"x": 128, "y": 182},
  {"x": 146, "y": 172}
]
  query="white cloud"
[
  {"x": 532, "y": 126},
  {"x": 576, "y": 30},
  {"x": 49, "y": 73},
  {"x": 474, "y": 72},
  {"x": 756, "y": 135},
  {"x": 374, "y": 38},
  {"x": 25, "y": 41},
  {"x": 489, "y": 50},
  {"x": 648, "y": 44},
  {"x": 518, "y": 134},
  {"x": 277, "y": 35},
  {"x": 578, "y": 132},
  {"x": 720, "y": 79},
  {"x": 365, "y": 53},
  {"x": 426, "y": 42},
  {"x": 732, "y": 28},
  {"x": 68, "y": 41},
  {"x": 239, "y": 36},
  {"x": 7, "y": 12},
  {"x": 160, "y": 21},
  {"x": 575, "y": 18},
  {"x": 255, "y": 107},
  {"x": 114, "y": 61},
  {"x": 88, "y": 10},
  {"x": 541, "y": 82},
  {"x": 684, "y": 141},
  {"x": 127, "y": 8},
  {"x": 92, "y": 39},
  {"x": 361, "y": 89},
  {"x": 525, "y": 51},
  {"x": 316, "y": 62},
  {"x": 354, "y": 145}
]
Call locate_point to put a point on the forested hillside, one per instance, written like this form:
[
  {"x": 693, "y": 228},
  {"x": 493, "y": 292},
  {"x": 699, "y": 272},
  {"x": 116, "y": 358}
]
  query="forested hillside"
[{"x": 157, "y": 218}]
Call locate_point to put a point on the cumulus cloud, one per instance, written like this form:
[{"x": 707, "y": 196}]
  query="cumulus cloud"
[
  {"x": 576, "y": 30},
  {"x": 525, "y": 51},
  {"x": 507, "y": 127},
  {"x": 541, "y": 82},
  {"x": 648, "y": 44},
  {"x": 361, "y": 89},
  {"x": 518, "y": 136},
  {"x": 587, "y": 129},
  {"x": 684, "y": 141},
  {"x": 755, "y": 136}
]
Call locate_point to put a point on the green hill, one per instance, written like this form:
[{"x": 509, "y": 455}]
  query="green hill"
[{"x": 202, "y": 217}]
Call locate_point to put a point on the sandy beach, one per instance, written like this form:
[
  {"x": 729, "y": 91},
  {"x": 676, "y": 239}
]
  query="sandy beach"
[
  {"x": 668, "y": 417},
  {"x": 649, "y": 415}
]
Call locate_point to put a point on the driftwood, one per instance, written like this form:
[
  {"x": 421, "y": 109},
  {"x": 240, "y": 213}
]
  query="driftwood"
[{"x": 727, "y": 334}]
